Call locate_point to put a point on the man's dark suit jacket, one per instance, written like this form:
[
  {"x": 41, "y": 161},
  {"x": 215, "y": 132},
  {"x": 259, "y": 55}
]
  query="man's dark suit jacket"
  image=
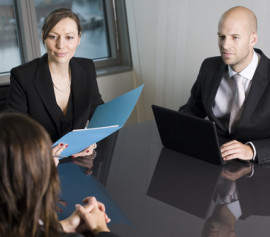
[
  {"x": 31, "y": 92},
  {"x": 253, "y": 196},
  {"x": 254, "y": 124}
]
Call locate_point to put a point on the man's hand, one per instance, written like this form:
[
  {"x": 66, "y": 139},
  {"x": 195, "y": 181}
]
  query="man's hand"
[
  {"x": 236, "y": 150},
  {"x": 234, "y": 175}
]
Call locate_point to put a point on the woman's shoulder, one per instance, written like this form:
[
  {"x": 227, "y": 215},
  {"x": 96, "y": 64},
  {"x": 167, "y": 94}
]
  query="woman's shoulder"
[
  {"x": 29, "y": 65},
  {"x": 101, "y": 234},
  {"x": 80, "y": 59},
  {"x": 63, "y": 234},
  {"x": 106, "y": 234},
  {"x": 83, "y": 61}
]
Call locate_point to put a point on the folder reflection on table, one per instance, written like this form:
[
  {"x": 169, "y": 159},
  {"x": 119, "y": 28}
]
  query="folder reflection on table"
[{"x": 75, "y": 186}]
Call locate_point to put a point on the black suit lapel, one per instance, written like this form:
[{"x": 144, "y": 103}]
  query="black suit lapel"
[
  {"x": 44, "y": 86},
  {"x": 259, "y": 84},
  {"x": 79, "y": 85}
]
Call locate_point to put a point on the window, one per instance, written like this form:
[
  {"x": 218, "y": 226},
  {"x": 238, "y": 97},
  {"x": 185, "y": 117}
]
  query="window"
[
  {"x": 104, "y": 33},
  {"x": 9, "y": 43},
  {"x": 94, "y": 43}
]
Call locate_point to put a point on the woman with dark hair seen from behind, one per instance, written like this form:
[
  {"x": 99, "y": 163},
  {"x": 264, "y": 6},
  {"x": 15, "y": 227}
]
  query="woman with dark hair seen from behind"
[
  {"x": 58, "y": 90},
  {"x": 29, "y": 186}
]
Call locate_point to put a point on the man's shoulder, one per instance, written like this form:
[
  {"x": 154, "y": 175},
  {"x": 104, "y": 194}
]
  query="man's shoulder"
[
  {"x": 262, "y": 55},
  {"x": 217, "y": 60},
  {"x": 212, "y": 64}
]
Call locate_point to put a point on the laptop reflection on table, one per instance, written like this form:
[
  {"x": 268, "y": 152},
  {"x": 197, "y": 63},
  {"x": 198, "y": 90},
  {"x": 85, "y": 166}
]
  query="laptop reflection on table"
[{"x": 185, "y": 183}]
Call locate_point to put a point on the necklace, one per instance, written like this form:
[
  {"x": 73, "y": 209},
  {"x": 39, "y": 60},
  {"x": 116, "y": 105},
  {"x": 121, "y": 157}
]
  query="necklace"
[{"x": 68, "y": 85}]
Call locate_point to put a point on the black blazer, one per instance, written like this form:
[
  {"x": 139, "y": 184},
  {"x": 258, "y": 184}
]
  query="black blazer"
[
  {"x": 101, "y": 234},
  {"x": 88, "y": 234},
  {"x": 31, "y": 92},
  {"x": 252, "y": 192},
  {"x": 254, "y": 124}
]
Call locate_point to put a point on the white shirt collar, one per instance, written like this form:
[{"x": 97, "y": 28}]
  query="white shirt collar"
[
  {"x": 249, "y": 71},
  {"x": 235, "y": 209}
]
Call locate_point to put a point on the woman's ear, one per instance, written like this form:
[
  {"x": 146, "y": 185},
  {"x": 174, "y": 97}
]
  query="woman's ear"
[
  {"x": 80, "y": 34},
  {"x": 42, "y": 40}
]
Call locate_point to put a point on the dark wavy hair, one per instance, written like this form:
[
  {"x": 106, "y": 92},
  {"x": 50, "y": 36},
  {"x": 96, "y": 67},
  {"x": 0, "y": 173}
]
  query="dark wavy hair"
[
  {"x": 54, "y": 17},
  {"x": 29, "y": 184}
]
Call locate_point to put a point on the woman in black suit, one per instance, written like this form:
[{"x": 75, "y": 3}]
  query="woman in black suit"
[
  {"x": 57, "y": 90},
  {"x": 30, "y": 186}
]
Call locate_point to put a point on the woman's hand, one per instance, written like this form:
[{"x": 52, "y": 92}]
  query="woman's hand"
[
  {"x": 71, "y": 223},
  {"x": 94, "y": 215},
  {"x": 91, "y": 217},
  {"x": 86, "y": 163},
  {"x": 86, "y": 152},
  {"x": 56, "y": 151},
  {"x": 101, "y": 206}
]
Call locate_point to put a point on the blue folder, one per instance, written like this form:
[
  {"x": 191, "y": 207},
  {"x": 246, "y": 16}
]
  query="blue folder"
[
  {"x": 116, "y": 111},
  {"x": 107, "y": 119}
]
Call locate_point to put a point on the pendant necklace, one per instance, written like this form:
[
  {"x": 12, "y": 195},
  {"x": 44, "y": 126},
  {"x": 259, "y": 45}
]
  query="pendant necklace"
[{"x": 68, "y": 85}]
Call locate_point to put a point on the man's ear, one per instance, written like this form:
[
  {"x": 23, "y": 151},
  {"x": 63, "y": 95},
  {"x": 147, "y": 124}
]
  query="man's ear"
[{"x": 253, "y": 38}]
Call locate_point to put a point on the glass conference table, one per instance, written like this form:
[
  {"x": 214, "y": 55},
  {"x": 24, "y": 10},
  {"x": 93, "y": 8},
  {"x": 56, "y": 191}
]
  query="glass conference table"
[{"x": 149, "y": 190}]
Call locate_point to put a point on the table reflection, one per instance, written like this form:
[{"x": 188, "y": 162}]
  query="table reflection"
[
  {"x": 79, "y": 178},
  {"x": 167, "y": 193},
  {"x": 180, "y": 179},
  {"x": 221, "y": 195}
]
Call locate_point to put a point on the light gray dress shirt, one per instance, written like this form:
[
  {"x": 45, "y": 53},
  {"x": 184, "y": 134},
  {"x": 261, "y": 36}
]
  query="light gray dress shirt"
[{"x": 224, "y": 97}]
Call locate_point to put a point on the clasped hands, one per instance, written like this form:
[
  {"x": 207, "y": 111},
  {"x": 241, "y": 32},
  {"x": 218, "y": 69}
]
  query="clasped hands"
[
  {"x": 90, "y": 217},
  {"x": 236, "y": 150}
]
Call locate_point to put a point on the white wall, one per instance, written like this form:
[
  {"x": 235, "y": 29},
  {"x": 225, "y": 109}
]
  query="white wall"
[
  {"x": 170, "y": 38},
  {"x": 115, "y": 85}
]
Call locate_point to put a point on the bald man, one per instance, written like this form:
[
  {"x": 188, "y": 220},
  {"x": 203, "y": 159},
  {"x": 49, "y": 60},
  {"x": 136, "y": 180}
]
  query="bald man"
[{"x": 241, "y": 111}]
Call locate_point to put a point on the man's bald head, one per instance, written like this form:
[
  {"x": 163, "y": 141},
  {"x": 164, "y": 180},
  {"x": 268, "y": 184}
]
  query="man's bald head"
[
  {"x": 237, "y": 33},
  {"x": 242, "y": 13}
]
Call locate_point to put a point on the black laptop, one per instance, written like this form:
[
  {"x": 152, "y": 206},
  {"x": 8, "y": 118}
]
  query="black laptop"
[{"x": 191, "y": 135}]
